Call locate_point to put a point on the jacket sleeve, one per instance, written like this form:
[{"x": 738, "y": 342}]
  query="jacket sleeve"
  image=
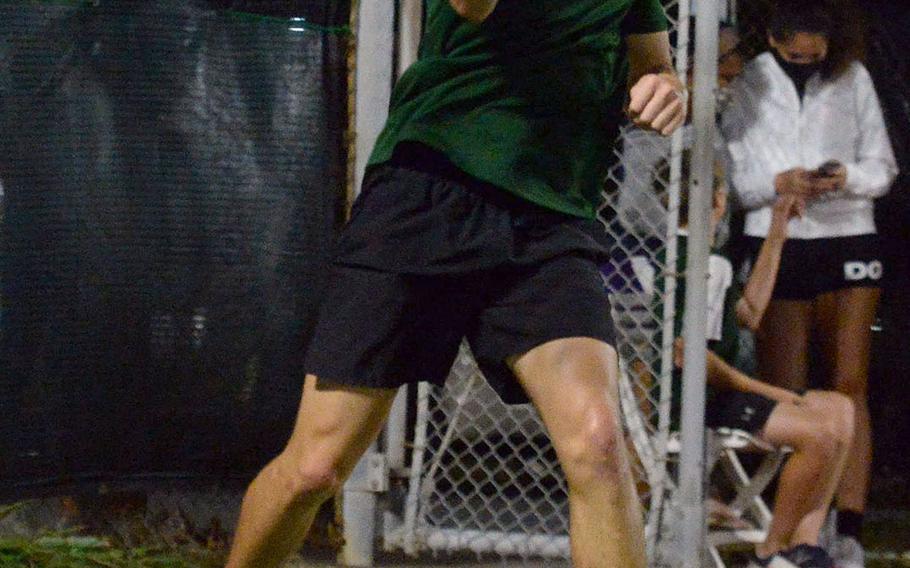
[
  {"x": 875, "y": 168},
  {"x": 747, "y": 170}
]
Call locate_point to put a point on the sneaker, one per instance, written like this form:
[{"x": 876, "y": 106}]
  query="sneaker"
[
  {"x": 827, "y": 537},
  {"x": 801, "y": 556},
  {"x": 849, "y": 553},
  {"x": 808, "y": 556},
  {"x": 774, "y": 561}
]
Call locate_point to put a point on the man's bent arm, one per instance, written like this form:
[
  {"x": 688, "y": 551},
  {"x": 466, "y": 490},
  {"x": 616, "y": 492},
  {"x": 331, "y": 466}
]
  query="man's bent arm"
[
  {"x": 475, "y": 11},
  {"x": 650, "y": 54},
  {"x": 722, "y": 375},
  {"x": 657, "y": 98},
  {"x": 751, "y": 307}
]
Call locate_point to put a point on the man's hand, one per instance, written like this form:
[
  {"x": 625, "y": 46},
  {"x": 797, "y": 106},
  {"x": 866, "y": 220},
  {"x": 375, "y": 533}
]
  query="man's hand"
[
  {"x": 785, "y": 208},
  {"x": 475, "y": 11},
  {"x": 797, "y": 182},
  {"x": 658, "y": 102},
  {"x": 679, "y": 352},
  {"x": 830, "y": 178}
]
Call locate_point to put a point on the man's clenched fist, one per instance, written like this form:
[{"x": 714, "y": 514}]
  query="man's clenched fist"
[{"x": 658, "y": 102}]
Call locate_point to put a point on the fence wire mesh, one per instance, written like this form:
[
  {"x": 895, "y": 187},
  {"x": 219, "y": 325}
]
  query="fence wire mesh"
[
  {"x": 489, "y": 478},
  {"x": 490, "y": 481}
]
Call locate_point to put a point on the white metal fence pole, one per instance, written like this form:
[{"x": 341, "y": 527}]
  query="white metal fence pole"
[
  {"x": 410, "y": 16},
  {"x": 373, "y": 78},
  {"x": 664, "y": 409},
  {"x": 410, "y": 19},
  {"x": 691, "y": 474},
  {"x": 410, "y": 29}
]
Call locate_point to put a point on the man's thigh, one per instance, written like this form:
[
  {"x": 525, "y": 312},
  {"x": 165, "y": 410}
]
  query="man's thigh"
[
  {"x": 335, "y": 423},
  {"x": 573, "y": 383},
  {"x": 558, "y": 312},
  {"x": 793, "y": 425}
]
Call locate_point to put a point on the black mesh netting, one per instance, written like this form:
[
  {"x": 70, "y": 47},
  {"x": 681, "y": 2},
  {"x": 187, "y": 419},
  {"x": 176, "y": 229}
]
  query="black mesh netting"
[{"x": 174, "y": 173}]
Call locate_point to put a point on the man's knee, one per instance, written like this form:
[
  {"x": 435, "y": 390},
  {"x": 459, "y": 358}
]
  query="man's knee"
[
  {"x": 836, "y": 415},
  {"x": 307, "y": 478},
  {"x": 816, "y": 435},
  {"x": 844, "y": 410},
  {"x": 595, "y": 453}
]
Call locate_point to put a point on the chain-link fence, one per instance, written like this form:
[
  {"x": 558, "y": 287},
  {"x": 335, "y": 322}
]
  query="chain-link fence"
[{"x": 484, "y": 475}]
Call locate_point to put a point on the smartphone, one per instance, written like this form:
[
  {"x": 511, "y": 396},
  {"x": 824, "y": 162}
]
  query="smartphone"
[{"x": 827, "y": 169}]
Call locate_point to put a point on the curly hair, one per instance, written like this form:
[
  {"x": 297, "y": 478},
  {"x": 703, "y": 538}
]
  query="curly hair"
[{"x": 838, "y": 20}]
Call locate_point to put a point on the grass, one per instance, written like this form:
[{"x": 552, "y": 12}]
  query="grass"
[
  {"x": 887, "y": 537},
  {"x": 61, "y": 551},
  {"x": 71, "y": 549}
]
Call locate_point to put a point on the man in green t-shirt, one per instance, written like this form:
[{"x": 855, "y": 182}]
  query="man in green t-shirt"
[
  {"x": 476, "y": 221},
  {"x": 817, "y": 426}
]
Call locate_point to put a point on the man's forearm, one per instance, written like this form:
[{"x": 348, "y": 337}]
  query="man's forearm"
[
  {"x": 475, "y": 11},
  {"x": 760, "y": 286},
  {"x": 657, "y": 98},
  {"x": 722, "y": 375},
  {"x": 650, "y": 54}
]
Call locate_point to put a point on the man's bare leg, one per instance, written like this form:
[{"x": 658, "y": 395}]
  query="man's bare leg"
[
  {"x": 841, "y": 409},
  {"x": 819, "y": 438},
  {"x": 573, "y": 384},
  {"x": 334, "y": 427}
]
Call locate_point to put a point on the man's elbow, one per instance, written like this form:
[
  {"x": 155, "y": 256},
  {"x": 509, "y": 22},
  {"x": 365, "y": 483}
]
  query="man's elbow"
[
  {"x": 473, "y": 11},
  {"x": 748, "y": 319}
]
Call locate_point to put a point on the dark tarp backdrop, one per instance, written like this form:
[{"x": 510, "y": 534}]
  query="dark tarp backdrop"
[
  {"x": 888, "y": 60},
  {"x": 174, "y": 174}
]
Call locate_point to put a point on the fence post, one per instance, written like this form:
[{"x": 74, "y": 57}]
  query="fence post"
[
  {"x": 373, "y": 84},
  {"x": 692, "y": 462}
]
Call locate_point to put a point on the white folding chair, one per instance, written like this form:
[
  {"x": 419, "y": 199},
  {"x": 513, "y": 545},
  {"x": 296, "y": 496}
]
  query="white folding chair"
[
  {"x": 724, "y": 448},
  {"x": 723, "y": 445}
]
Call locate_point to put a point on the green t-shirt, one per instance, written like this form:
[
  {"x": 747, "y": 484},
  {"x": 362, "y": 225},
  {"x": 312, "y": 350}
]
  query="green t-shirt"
[{"x": 530, "y": 100}]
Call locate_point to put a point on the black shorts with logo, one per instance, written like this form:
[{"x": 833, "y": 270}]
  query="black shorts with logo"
[
  {"x": 810, "y": 267},
  {"x": 744, "y": 411},
  {"x": 431, "y": 256}
]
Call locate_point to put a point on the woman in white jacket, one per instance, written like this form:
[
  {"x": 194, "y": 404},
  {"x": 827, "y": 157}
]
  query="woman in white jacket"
[{"x": 804, "y": 120}]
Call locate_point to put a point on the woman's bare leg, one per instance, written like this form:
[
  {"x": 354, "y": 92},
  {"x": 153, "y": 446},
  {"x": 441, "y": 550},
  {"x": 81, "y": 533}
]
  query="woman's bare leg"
[
  {"x": 844, "y": 321},
  {"x": 782, "y": 344}
]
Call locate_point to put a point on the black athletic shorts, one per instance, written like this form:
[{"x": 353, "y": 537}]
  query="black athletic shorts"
[
  {"x": 810, "y": 267},
  {"x": 738, "y": 410},
  {"x": 432, "y": 255}
]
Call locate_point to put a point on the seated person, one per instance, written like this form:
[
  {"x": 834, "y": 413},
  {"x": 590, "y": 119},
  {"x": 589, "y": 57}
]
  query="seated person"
[{"x": 817, "y": 426}]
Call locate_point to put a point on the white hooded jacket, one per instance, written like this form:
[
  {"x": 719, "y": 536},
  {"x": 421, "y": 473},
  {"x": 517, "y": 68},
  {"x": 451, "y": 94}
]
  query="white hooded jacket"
[{"x": 768, "y": 130}]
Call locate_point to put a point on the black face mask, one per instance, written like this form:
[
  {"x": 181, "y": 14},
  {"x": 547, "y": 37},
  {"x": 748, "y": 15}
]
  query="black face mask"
[{"x": 799, "y": 73}]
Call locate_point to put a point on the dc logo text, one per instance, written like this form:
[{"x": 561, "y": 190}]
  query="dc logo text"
[{"x": 856, "y": 270}]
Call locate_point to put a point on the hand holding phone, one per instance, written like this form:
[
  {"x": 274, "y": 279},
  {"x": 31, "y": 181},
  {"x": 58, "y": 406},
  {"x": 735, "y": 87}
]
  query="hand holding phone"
[
  {"x": 829, "y": 169},
  {"x": 828, "y": 178}
]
